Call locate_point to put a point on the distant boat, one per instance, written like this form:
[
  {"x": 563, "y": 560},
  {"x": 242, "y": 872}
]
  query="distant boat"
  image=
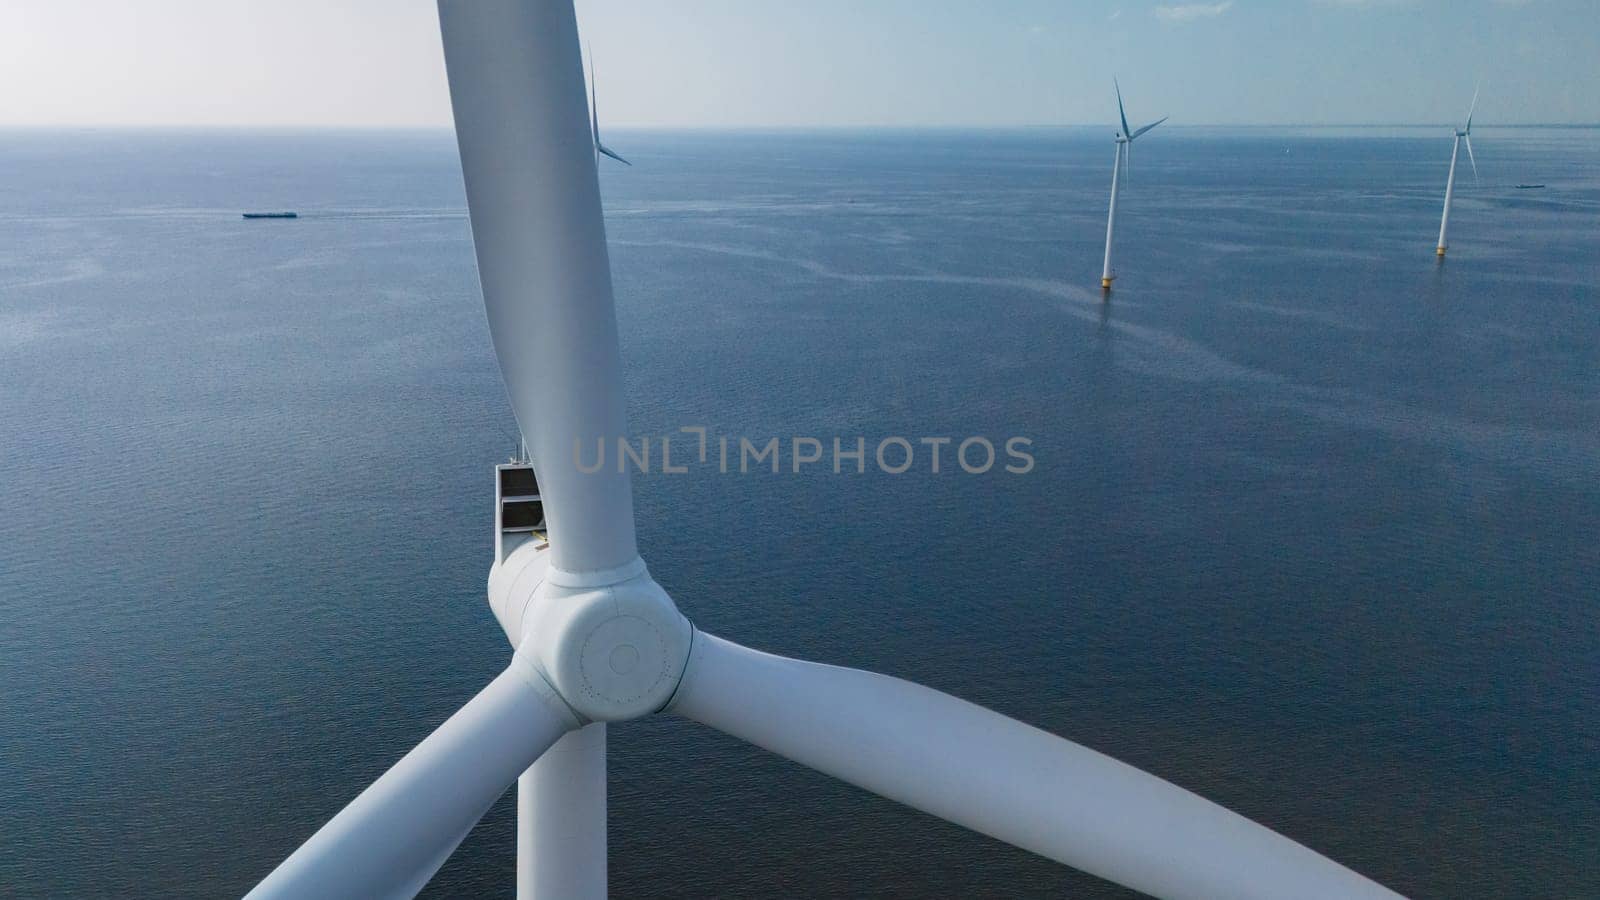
[
  {"x": 1526, "y": 187},
  {"x": 272, "y": 215}
]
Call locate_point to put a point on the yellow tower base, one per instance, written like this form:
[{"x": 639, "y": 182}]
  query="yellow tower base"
[
  {"x": 1438, "y": 251},
  {"x": 1105, "y": 283}
]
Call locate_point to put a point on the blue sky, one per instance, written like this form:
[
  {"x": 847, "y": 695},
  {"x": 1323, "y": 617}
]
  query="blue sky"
[{"x": 721, "y": 63}]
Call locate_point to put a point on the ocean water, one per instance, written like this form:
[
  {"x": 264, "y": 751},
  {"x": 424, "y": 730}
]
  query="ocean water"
[{"x": 1311, "y": 530}]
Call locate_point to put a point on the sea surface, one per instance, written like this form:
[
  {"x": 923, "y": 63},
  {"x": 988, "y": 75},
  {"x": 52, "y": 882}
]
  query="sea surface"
[{"x": 1313, "y": 529}]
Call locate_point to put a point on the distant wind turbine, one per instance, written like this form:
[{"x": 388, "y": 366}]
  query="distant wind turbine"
[
  {"x": 1462, "y": 134},
  {"x": 594, "y": 119},
  {"x": 1119, "y": 168}
]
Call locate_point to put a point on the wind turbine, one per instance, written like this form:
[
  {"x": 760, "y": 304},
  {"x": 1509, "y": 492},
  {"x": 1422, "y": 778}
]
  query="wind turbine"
[
  {"x": 594, "y": 119},
  {"x": 598, "y": 640},
  {"x": 1119, "y": 167},
  {"x": 1462, "y": 134}
]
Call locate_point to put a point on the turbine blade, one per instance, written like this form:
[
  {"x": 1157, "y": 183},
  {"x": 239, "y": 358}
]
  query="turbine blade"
[
  {"x": 1473, "y": 160},
  {"x": 594, "y": 101},
  {"x": 594, "y": 116},
  {"x": 391, "y": 839},
  {"x": 516, "y": 90},
  {"x": 1127, "y": 161},
  {"x": 1002, "y": 778},
  {"x": 1148, "y": 127},
  {"x": 424, "y": 873},
  {"x": 1120, "y": 112},
  {"x": 1473, "y": 108}
]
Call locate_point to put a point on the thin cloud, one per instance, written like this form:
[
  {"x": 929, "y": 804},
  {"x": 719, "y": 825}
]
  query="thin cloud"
[{"x": 1189, "y": 12}]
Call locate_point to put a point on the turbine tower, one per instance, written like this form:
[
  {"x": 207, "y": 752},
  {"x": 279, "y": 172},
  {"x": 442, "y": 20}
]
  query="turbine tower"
[
  {"x": 1462, "y": 134},
  {"x": 1119, "y": 168},
  {"x": 598, "y": 640}
]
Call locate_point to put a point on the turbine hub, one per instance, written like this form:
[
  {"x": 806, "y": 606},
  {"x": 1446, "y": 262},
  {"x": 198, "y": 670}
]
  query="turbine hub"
[{"x": 612, "y": 644}]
